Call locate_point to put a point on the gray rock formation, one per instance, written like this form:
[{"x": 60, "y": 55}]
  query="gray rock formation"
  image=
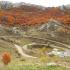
[{"x": 51, "y": 25}]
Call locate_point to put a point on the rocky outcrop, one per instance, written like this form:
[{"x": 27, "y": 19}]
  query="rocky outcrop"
[{"x": 51, "y": 25}]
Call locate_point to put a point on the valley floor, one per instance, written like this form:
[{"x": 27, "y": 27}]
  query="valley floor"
[{"x": 49, "y": 52}]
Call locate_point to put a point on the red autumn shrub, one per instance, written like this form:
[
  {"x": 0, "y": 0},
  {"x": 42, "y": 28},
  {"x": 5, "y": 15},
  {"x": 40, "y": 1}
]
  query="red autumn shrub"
[{"x": 6, "y": 58}]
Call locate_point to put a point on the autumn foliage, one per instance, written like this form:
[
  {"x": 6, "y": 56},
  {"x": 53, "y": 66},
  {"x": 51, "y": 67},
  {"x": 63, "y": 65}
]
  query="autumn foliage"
[
  {"x": 6, "y": 58},
  {"x": 30, "y": 17}
]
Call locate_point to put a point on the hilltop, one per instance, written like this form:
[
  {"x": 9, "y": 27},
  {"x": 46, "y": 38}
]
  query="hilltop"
[{"x": 29, "y": 14}]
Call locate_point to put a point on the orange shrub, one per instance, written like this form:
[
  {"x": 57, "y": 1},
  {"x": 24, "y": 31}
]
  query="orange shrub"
[{"x": 6, "y": 58}]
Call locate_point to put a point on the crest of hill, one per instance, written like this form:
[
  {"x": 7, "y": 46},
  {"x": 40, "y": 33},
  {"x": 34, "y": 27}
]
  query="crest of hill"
[{"x": 30, "y": 14}]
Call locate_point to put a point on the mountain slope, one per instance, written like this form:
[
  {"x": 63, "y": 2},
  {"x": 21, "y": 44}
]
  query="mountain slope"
[{"x": 29, "y": 14}]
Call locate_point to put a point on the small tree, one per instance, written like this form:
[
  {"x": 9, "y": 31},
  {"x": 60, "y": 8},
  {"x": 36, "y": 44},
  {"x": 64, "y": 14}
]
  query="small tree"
[{"x": 6, "y": 58}]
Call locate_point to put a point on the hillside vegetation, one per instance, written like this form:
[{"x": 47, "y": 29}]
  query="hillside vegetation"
[{"x": 28, "y": 14}]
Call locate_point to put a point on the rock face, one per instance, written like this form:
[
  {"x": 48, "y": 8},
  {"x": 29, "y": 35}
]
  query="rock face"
[
  {"x": 56, "y": 30},
  {"x": 51, "y": 25}
]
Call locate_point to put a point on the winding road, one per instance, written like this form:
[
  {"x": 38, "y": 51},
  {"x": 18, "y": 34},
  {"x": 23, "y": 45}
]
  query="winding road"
[
  {"x": 21, "y": 52},
  {"x": 59, "y": 44}
]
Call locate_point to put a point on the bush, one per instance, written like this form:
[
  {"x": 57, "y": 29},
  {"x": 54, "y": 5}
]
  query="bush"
[{"x": 6, "y": 58}]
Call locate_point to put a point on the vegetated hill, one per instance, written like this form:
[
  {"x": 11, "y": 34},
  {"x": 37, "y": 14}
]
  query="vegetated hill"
[
  {"x": 29, "y": 14},
  {"x": 55, "y": 30}
]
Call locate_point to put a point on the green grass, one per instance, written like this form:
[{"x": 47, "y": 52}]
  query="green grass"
[
  {"x": 34, "y": 67},
  {"x": 23, "y": 65}
]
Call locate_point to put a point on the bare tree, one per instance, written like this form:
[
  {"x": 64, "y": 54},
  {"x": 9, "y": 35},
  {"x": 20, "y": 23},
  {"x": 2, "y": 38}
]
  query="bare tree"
[{"x": 5, "y": 5}]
